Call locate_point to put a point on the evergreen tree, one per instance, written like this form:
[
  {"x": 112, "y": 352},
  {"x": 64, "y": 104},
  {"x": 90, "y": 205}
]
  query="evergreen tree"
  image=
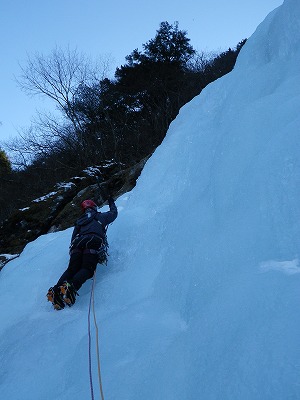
[
  {"x": 170, "y": 45},
  {"x": 153, "y": 81},
  {"x": 5, "y": 164}
]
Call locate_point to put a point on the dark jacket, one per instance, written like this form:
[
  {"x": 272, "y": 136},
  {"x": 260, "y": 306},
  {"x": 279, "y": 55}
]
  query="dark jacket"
[{"x": 93, "y": 222}]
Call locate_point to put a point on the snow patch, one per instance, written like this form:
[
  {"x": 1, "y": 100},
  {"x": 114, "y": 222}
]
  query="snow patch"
[
  {"x": 65, "y": 185},
  {"x": 287, "y": 267},
  {"x": 43, "y": 198},
  {"x": 9, "y": 256}
]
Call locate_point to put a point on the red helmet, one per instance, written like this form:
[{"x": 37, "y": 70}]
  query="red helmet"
[{"x": 88, "y": 204}]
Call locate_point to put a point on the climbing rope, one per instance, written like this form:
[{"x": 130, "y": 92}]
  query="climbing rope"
[
  {"x": 92, "y": 306},
  {"x": 97, "y": 340},
  {"x": 90, "y": 355}
]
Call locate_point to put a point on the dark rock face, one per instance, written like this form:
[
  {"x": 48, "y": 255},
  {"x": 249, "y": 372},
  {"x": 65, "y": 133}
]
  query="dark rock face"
[{"x": 60, "y": 208}]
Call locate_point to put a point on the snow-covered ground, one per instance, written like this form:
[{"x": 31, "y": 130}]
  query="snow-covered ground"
[{"x": 201, "y": 297}]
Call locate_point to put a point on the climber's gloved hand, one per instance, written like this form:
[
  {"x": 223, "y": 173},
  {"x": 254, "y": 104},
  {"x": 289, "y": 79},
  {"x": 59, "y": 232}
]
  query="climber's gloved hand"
[
  {"x": 110, "y": 199},
  {"x": 104, "y": 193}
]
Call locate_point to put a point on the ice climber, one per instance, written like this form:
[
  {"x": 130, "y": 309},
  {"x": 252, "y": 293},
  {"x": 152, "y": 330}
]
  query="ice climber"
[{"x": 88, "y": 247}]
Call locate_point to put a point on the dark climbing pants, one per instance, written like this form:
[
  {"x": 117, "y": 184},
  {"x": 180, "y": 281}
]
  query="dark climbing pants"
[{"x": 82, "y": 264}]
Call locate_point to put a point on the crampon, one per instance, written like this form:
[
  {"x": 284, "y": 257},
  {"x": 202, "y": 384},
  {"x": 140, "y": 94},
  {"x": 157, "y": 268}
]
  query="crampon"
[
  {"x": 68, "y": 293},
  {"x": 56, "y": 298}
]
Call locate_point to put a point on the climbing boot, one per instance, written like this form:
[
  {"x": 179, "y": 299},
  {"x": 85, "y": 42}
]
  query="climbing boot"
[
  {"x": 56, "y": 298},
  {"x": 68, "y": 293}
]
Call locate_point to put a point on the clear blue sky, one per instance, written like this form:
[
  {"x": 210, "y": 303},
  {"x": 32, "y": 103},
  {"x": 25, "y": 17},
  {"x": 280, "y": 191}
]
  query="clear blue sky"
[{"x": 114, "y": 28}]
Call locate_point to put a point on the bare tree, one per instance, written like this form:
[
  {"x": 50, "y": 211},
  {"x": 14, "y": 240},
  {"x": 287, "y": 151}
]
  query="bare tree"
[
  {"x": 201, "y": 60},
  {"x": 58, "y": 76}
]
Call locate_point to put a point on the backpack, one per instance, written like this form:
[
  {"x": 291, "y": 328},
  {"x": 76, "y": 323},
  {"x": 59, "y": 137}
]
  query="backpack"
[{"x": 103, "y": 250}]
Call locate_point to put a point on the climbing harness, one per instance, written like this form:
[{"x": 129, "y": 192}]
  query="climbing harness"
[
  {"x": 92, "y": 307},
  {"x": 81, "y": 246}
]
